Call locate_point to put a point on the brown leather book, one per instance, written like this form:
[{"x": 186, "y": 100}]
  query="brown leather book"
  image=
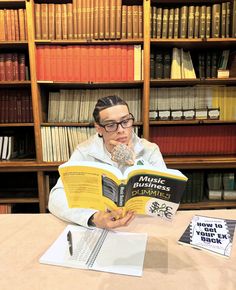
[
  {"x": 64, "y": 21},
  {"x": 37, "y": 20},
  {"x": 129, "y": 22},
  {"x": 171, "y": 23},
  {"x": 124, "y": 22},
  {"x": 196, "y": 21},
  {"x": 13, "y": 29},
  {"x": 44, "y": 20},
  {"x": 79, "y": 19},
  {"x": 17, "y": 25},
  {"x": 2, "y": 26},
  {"x": 112, "y": 19},
  {"x": 70, "y": 20},
  {"x": 118, "y": 19},
  {"x": 8, "y": 24},
  {"x": 101, "y": 20},
  {"x": 191, "y": 21},
  {"x": 107, "y": 7},
  {"x": 22, "y": 24},
  {"x": 135, "y": 20},
  {"x": 51, "y": 21},
  {"x": 208, "y": 22},
  {"x": 140, "y": 21},
  {"x": 74, "y": 13},
  {"x": 21, "y": 58},
  {"x": 58, "y": 8},
  {"x": 95, "y": 16},
  {"x": 176, "y": 23}
]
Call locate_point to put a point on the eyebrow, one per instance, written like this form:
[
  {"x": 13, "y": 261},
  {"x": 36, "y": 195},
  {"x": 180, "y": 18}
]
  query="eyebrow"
[{"x": 113, "y": 121}]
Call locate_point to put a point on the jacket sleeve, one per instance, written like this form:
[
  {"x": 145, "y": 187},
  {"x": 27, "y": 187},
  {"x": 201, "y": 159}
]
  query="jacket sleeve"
[{"x": 58, "y": 205}]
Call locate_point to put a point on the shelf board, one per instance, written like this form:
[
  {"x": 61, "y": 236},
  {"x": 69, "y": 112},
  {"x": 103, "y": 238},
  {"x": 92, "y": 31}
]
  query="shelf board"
[
  {"x": 190, "y": 122},
  {"x": 191, "y": 82},
  {"x": 210, "y": 204},
  {"x": 16, "y": 124},
  {"x": 9, "y": 84},
  {"x": 194, "y": 43},
  {"x": 90, "y": 85},
  {"x": 16, "y": 44},
  {"x": 89, "y": 41},
  {"x": 200, "y": 162},
  {"x": 20, "y": 200},
  {"x": 12, "y": 4},
  {"x": 69, "y": 124}
]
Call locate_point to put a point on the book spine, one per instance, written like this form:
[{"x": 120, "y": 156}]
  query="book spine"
[{"x": 121, "y": 197}]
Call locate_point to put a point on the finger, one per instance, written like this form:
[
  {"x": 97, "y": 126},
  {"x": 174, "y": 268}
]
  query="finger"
[{"x": 113, "y": 142}]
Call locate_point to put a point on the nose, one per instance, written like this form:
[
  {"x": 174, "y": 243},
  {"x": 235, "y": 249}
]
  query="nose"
[{"x": 120, "y": 128}]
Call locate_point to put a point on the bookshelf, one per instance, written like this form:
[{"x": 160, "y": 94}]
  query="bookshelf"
[{"x": 41, "y": 88}]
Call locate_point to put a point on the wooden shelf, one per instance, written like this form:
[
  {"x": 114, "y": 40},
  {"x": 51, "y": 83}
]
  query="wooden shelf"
[
  {"x": 12, "y": 4},
  {"x": 20, "y": 200},
  {"x": 90, "y": 85},
  {"x": 191, "y": 82},
  {"x": 201, "y": 162},
  {"x": 16, "y": 124},
  {"x": 190, "y": 122},
  {"x": 23, "y": 44},
  {"x": 194, "y": 43},
  {"x": 89, "y": 41},
  {"x": 211, "y": 204},
  {"x": 12, "y": 84}
]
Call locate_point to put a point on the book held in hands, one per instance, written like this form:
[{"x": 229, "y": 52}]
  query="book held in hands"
[
  {"x": 211, "y": 234},
  {"x": 144, "y": 189}
]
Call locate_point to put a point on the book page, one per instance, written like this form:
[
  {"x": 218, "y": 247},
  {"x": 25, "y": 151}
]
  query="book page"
[
  {"x": 154, "y": 192},
  {"x": 101, "y": 250},
  {"x": 90, "y": 185}
]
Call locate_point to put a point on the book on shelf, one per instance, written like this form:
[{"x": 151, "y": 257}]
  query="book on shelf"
[
  {"x": 143, "y": 189},
  {"x": 229, "y": 186},
  {"x": 211, "y": 234},
  {"x": 214, "y": 185},
  {"x": 99, "y": 249}
]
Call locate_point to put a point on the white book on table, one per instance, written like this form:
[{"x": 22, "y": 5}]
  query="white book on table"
[{"x": 100, "y": 250}]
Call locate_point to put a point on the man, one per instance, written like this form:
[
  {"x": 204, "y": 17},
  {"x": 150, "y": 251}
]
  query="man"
[{"x": 116, "y": 144}]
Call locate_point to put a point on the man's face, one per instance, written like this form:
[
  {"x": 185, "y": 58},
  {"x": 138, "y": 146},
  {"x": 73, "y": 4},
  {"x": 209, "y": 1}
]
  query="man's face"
[{"x": 112, "y": 115}]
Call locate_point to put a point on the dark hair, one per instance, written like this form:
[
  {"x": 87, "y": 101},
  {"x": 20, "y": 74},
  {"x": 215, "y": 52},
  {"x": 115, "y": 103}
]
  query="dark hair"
[{"x": 107, "y": 102}]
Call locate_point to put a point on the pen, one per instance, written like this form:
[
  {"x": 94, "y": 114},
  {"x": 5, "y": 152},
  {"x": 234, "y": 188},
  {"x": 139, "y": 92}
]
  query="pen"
[{"x": 70, "y": 244}]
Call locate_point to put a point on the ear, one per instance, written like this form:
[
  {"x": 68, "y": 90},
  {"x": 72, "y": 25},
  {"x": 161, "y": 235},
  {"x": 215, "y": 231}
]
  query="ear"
[{"x": 98, "y": 128}]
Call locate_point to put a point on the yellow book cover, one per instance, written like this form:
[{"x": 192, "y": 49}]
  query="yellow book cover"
[{"x": 144, "y": 189}]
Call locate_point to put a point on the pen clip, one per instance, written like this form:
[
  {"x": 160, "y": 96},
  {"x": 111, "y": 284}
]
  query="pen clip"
[{"x": 70, "y": 244}]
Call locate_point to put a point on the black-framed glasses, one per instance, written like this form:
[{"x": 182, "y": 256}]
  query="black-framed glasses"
[{"x": 113, "y": 126}]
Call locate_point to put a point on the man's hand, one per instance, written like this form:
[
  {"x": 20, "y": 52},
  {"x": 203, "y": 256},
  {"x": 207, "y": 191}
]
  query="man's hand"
[
  {"x": 112, "y": 219},
  {"x": 122, "y": 153}
]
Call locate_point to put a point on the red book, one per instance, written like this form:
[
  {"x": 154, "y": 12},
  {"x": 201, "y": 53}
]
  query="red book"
[
  {"x": 91, "y": 61},
  {"x": 53, "y": 63},
  {"x": 39, "y": 63},
  {"x": 123, "y": 64},
  {"x": 112, "y": 63},
  {"x": 63, "y": 62},
  {"x": 84, "y": 63},
  {"x": 70, "y": 63},
  {"x": 46, "y": 56},
  {"x": 76, "y": 64},
  {"x": 130, "y": 63},
  {"x": 99, "y": 67},
  {"x": 16, "y": 75},
  {"x": 106, "y": 69}
]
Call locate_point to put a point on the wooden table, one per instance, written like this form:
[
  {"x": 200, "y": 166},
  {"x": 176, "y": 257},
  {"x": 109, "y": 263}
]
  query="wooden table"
[{"x": 168, "y": 265}]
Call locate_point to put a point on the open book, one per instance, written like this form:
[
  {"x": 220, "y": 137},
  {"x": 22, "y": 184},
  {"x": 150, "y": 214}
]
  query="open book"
[
  {"x": 101, "y": 250},
  {"x": 143, "y": 189},
  {"x": 211, "y": 234}
]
